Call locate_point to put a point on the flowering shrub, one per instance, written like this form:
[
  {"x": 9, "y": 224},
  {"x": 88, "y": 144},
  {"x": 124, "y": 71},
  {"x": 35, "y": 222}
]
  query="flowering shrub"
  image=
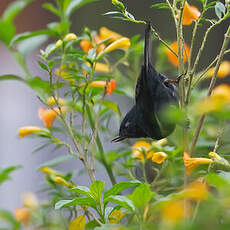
[{"x": 173, "y": 183}]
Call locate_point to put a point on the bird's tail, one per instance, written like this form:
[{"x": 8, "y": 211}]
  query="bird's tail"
[{"x": 147, "y": 52}]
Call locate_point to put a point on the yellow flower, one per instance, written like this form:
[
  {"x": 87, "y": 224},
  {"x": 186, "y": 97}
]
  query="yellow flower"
[
  {"x": 159, "y": 157},
  {"x": 61, "y": 181},
  {"x": 222, "y": 93},
  {"x": 191, "y": 163},
  {"x": 122, "y": 43},
  {"x": 27, "y": 130},
  {"x": 223, "y": 71},
  {"x": 48, "y": 115},
  {"x": 116, "y": 216},
  {"x": 173, "y": 211},
  {"x": 70, "y": 37},
  {"x": 219, "y": 99},
  {"x": 140, "y": 150},
  {"x": 110, "y": 86},
  {"x": 59, "y": 43},
  {"x": 190, "y": 14},
  {"x": 196, "y": 190},
  {"x": 29, "y": 200},
  {"x": 49, "y": 171},
  {"x": 100, "y": 67},
  {"x": 173, "y": 58},
  {"x": 105, "y": 33},
  {"x": 22, "y": 215},
  {"x": 63, "y": 73},
  {"x": 51, "y": 101}
]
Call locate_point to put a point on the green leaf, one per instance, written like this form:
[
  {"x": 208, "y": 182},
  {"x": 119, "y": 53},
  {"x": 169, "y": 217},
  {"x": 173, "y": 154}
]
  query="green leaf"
[
  {"x": 96, "y": 189},
  {"x": 39, "y": 85},
  {"x": 9, "y": 218},
  {"x": 122, "y": 201},
  {"x": 216, "y": 180},
  {"x": 141, "y": 195},
  {"x": 92, "y": 54},
  {"x": 43, "y": 66},
  {"x": 91, "y": 225},
  {"x": 4, "y": 173},
  {"x": 117, "y": 188},
  {"x": 11, "y": 77},
  {"x": 220, "y": 9},
  {"x": 77, "y": 201},
  {"x": 81, "y": 190},
  {"x": 76, "y": 4},
  {"x": 26, "y": 35},
  {"x": 160, "y": 6},
  {"x": 14, "y": 9},
  {"x": 7, "y": 31},
  {"x": 111, "y": 105},
  {"x": 51, "y": 8},
  {"x": 57, "y": 161},
  {"x": 113, "y": 12}
]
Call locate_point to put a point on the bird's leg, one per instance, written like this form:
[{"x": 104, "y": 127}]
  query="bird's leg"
[{"x": 176, "y": 81}]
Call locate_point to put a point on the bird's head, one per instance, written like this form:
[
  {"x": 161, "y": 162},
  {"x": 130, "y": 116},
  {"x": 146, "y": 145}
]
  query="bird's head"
[{"x": 129, "y": 127}]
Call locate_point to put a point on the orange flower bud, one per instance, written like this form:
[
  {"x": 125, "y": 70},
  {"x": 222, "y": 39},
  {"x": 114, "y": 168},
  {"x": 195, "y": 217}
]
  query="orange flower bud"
[
  {"x": 48, "y": 115},
  {"x": 22, "y": 215},
  {"x": 86, "y": 45},
  {"x": 173, "y": 58},
  {"x": 190, "y": 13}
]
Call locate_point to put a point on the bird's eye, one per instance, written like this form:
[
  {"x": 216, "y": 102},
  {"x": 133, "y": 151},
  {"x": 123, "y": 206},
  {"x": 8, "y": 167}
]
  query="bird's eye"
[{"x": 127, "y": 124}]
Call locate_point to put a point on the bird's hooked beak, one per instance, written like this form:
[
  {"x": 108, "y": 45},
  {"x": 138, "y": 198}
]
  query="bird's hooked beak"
[{"x": 118, "y": 138}]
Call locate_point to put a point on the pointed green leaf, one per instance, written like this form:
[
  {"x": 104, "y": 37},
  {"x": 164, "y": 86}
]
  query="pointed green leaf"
[
  {"x": 96, "y": 189},
  {"x": 220, "y": 9},
  {"x": 122, "y": 201},
  {"x": 117, "y": 188}
]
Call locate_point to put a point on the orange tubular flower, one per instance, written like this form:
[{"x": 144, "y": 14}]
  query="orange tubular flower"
[
  {"x": 27, "y": 130},
  {"x": 139, "y": 147},
  {"x": 86, "y": 45},
  {"x": 223, "y": 71},
  {"x": 22, "y": 215},
  {"x": 190, "y": 14},
  {"x": 105, "y": 33},
  {"x": 48, "y": 115},
  {"x": 191, "y": 163},
  {"x": 111, "y": 85},
  {"x": 173, "y": 58}
]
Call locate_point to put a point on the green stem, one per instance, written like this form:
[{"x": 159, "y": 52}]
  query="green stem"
[{"x": 100, "y": 148}]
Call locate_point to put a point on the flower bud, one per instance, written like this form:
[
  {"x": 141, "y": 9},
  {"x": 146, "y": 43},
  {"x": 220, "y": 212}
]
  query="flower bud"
[
  {"x": 70, "y": 37},
  {"x": 59, "y": 43},
  {"x": 118, "y": 4}
]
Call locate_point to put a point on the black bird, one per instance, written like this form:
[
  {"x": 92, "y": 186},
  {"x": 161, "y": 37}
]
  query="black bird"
[{"x": 154, "y": 92}]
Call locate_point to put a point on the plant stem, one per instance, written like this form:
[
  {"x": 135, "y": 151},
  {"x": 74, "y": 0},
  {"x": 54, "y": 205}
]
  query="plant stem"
[
  {"x": 211, "y": 86},
  {"x": 100, "y": 148}
]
